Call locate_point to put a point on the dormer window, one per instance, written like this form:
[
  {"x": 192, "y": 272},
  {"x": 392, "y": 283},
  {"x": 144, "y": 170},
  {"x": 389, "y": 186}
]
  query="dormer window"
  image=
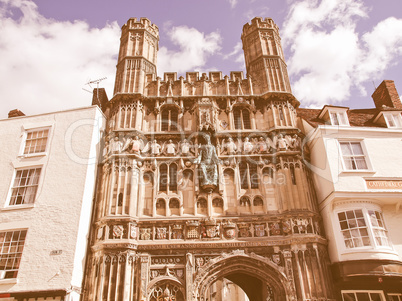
[
  {"x": 338, "y": 118},
  {"x": 393, "y": 120},
  {"x": 390, "y": 119},
  {"x": 334, "y": 115}
]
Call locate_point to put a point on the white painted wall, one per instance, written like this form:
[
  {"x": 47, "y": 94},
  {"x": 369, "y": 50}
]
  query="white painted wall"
[
  {"x": 334, "y": 184},
  {"x": 60, "y": 217}
]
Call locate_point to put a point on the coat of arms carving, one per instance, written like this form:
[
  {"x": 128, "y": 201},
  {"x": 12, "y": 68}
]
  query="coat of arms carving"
[
  {"x": 145, "y": 233},
  {"x": 117, "y": 231},
  {"x": 259, "y": 230}
]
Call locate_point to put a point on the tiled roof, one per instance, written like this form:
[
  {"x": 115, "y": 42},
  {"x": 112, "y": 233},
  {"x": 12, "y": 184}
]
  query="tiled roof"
[{"x": 357, "y": 117}]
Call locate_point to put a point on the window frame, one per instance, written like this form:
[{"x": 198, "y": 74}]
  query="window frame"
[
  {"x": 170, "y": 124},
  {"x": 248, "y": 175},
  {"x": 26, "y": 133},
  {"x": 364, "y": 155},
  {"x": 8, "y": 203},
  {"x": 241, "y": 119},
  {"x": 373, "y": 245},
  {"x": 396, "y": 119},
  {"x": 398, "y": 295},
  {"x": 171, "y": 185},
  {"x": 3, "y": 272},
  {"x": 340, "y": 115},
  {"x": 380, "y": 292}
]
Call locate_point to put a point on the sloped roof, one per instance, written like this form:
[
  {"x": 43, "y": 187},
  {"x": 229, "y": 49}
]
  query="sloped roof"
[{"x": 357, "y": 117}]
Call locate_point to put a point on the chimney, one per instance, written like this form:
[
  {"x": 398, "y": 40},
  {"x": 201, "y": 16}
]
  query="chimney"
[
  {"x": 15, "y": 113},
  {"x": 99, "y": 98},
  {"x": 386, "y": 95}
]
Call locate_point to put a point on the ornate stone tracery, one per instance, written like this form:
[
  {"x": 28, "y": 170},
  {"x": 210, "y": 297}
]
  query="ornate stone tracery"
[{"x": 177, "y": 212}]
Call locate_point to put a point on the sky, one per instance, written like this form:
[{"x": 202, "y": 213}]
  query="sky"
[{"x": 337, "y": 51}]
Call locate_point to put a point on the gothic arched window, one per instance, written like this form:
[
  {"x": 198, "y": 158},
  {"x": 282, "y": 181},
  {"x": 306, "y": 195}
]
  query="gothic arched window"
[
  {"x": 163, "y": 177},
  {"x": 169, "y": 119},
  {"x": 248, "y": 175},
  {"x": 168, "y": 177},
  {"x": 173, "y": 177},
  {"x": 241, "y": 119}
]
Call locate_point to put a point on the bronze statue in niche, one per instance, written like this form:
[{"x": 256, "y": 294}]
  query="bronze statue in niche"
[{"x": 208, "y": 161}]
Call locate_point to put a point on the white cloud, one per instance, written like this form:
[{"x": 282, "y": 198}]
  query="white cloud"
[
  {"x": 46, "y": 63},
  {"x": 194, "y": 49},
  {"x": 328, "y": 56},
  {"x": 236, "y": 55},
  {"x": 380, "y": 47},
  {"x": 232, "y": 3}
]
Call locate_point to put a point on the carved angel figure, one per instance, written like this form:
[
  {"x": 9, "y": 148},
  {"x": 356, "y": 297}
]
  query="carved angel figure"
[
  {"x": 248, "y": 147},
  {"x": 169, "y": 148},
  {"x": 270, "y": 144},
  {"x": 154, "y": 147},
  {"x": 186, "y": 148},
  {"x": 281, "y": 143},
  {"x": 116, "y": 146},
  {"x": 294, "y": 142},
  {"x": 262, "y": 147},
  {"x": 133, "y": 145},
  {"x": 229, "y": 147}
]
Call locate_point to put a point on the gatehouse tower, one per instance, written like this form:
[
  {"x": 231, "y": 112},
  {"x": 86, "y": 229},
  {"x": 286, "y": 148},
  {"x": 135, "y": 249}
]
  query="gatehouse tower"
[{"x": 203, "y": 183}]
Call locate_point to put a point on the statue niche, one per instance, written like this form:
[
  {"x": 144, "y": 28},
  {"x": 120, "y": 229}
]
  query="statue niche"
[{"x": 208, "y": 161}]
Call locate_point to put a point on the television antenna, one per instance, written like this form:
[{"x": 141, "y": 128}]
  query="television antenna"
[{"x": 95, "y": 81}]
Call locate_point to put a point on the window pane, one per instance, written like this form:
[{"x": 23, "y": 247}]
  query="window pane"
[
  {"x": 163, "y": 177},
  {"x": 356, "y": 148},
  {"x": 352, "y": 223},
  {"x": 165, "y": 120},
  {"x": 354, "y": 229},
  {"x": 36, "y": 142},
  {"x": 253, "y": 176},
  {"x": 348, "y": 297},
  {"x": 349, "y": 163},
  {"x": 342, "y": 216},
  {"x": 362, "y": 297},
  {"x": 173, "y": 120},
  {"x": 390, "y": 120},
  {"x": 361, "y": 163},
  {"x": 11, "y": 246},
  {"x": 246, "y": 119},
  {"x": 25, "y": 186},
  {"x": 342, "y": 118},
  {"x": 346, "y": 150},
  {"x": 243, "y": 175},
  {"x": 173, "y": 177},
  {"x": 334, "y": 119},
  {"x": 344, "y": 225},
  {"x": 361, "y": 222},
  {"x": 237, "y": 119}
]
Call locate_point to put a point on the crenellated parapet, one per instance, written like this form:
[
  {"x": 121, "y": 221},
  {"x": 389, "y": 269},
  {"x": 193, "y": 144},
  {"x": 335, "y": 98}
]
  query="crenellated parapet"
[{"x": 259, "y": 22}]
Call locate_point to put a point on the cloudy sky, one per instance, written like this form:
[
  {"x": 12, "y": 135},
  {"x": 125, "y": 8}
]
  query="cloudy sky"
[{"x": 336, "y": 50}]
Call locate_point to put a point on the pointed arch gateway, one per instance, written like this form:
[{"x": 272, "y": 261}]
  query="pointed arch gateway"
[{"x": 257, "y": 276}]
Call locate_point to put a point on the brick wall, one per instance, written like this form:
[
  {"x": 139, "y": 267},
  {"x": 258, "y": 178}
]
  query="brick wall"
[{"x": 386, "y": 94}]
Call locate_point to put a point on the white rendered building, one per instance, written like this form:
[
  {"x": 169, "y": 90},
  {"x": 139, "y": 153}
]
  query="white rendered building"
[
  {"x": 48, "y": 167},
  {"x": 357, "y": 167}
]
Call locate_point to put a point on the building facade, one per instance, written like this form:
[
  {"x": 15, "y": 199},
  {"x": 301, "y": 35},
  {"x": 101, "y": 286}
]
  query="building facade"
[
  {"x": 204, "y": 182},
  {"x": 355, "y": 159},
  {"x": 48, "y": 167}
]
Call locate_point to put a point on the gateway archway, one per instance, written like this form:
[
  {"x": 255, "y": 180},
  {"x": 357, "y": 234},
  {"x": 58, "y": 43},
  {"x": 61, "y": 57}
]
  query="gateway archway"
[{"x": 259, "y": 278}]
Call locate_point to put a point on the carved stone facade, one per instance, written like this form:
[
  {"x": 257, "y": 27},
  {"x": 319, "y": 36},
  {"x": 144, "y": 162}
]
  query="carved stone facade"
[{"x": 160, "y": 230}]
